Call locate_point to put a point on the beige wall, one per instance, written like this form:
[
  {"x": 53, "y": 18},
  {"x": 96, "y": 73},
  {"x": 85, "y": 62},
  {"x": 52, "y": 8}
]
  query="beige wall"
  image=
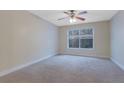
[
  {"x": 25, "y": 38},
  {"x": 117, "y": 35},
  {"x": 101, "y": 40}
]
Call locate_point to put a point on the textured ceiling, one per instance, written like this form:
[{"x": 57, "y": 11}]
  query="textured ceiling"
[{"x": 91, "y": 16}]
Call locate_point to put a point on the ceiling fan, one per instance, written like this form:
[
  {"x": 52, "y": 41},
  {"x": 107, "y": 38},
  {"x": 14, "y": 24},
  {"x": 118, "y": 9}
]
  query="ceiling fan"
[{"x": 73, "y": 15}]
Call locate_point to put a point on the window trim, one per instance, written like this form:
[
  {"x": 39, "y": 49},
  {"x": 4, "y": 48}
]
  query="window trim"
[{"x": 93, "y": 48}]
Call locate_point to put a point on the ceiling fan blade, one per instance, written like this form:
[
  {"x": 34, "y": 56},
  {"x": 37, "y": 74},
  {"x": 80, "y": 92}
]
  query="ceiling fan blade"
[
  {"x": 80, "y": 18},
  {"x": 62, "y": 18},
  {"x": 83, "y": 12},
  {"x": 67, "y": 13}
]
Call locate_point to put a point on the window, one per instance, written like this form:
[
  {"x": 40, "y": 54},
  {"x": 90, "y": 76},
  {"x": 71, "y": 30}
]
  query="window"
[{"x": 80, "y": 38}]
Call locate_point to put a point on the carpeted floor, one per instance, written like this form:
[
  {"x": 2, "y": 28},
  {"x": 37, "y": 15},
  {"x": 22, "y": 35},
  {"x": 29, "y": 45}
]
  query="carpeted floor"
[{"x": 68, "y": 69}]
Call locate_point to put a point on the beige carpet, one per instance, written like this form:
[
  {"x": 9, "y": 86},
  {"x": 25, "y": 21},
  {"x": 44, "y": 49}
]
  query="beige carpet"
[{"x": 68, "y": 69}]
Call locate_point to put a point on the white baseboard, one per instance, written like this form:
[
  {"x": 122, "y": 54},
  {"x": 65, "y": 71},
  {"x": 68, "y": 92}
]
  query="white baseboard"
[
  {"x": 5, "y": 72},
  {"x": 102, "y": 57},
  {"x": 117, "y": 63}
]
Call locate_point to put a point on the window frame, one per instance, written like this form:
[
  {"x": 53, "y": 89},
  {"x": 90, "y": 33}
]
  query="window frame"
[{"x": 93, "y": 48}]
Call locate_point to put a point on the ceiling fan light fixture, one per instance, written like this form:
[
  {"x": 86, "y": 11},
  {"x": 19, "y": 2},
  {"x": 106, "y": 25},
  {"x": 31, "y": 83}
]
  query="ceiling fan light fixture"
[
  {"x": 73, "y": 16},
  {"x": 72, "y": 20}
]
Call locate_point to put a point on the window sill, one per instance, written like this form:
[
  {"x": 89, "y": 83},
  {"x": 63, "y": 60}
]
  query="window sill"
[{"x": 80, "y": 48}]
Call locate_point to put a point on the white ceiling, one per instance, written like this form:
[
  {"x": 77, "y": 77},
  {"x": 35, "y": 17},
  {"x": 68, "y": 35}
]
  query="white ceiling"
[{"x": 91, "y": 16}]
